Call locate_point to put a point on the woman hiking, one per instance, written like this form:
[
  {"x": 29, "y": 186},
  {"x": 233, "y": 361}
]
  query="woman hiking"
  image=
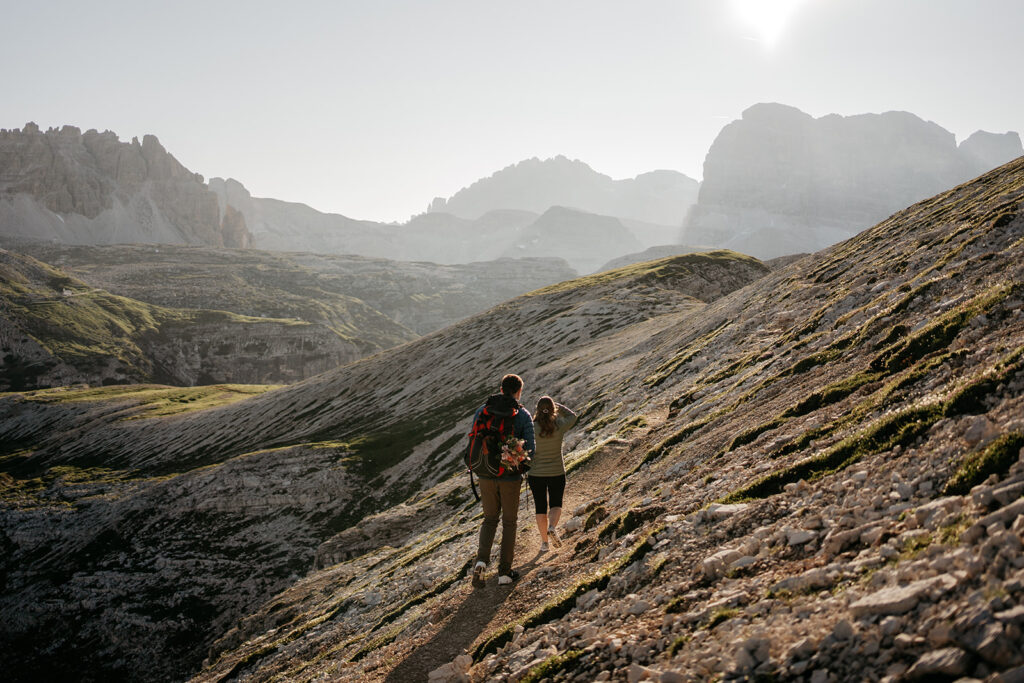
[{"x": 547, "y": 473}]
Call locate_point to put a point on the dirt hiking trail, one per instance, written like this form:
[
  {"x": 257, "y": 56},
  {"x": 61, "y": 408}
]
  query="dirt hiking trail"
[{"x": 463, "y": 618}]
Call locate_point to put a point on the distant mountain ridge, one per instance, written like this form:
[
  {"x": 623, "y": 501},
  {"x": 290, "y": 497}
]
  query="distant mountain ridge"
[
  {"x": 661, "y": 197},
  {"x": 90, "y": 188},
  {"x": 778, "y": 181}
]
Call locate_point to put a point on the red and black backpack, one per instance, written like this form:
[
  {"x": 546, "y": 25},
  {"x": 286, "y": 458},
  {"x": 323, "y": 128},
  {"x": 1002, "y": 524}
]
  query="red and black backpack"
[{"x": 490, "y": 429}]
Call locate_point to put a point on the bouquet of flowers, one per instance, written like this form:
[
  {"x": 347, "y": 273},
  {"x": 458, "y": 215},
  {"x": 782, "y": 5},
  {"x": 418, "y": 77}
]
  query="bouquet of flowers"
[{"x": 512, "y": 453}]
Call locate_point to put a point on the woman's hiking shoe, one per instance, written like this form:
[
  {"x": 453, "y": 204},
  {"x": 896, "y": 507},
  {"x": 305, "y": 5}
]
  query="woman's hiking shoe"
[
  {"x": 553, "y": 537},
  {"x": 544, "y": 547},
  {"x": 478, "y": 574},
  {"x": 506, "y": 579}
]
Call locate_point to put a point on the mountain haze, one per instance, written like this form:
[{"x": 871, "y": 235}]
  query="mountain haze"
[{"x": 658, "y": 197}]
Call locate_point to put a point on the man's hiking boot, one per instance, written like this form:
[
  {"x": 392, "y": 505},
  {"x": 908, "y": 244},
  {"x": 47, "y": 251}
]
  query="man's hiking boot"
[
  {"x": 506, "y": 579},
  {"x": 544, "y": 547},
  {"x": 553, "y": 537},
  {"x": 478, "y": 575}
]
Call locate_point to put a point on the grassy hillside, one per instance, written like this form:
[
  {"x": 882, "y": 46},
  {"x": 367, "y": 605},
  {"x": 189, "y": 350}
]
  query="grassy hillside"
[{"x": 58, "y": 330}]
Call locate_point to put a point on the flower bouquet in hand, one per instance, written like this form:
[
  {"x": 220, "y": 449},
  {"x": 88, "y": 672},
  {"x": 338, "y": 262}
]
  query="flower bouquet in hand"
[{"x": 513, "y": 455}]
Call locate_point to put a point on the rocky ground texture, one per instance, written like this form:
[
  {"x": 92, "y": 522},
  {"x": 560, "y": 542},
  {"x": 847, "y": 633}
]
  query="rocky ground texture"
[{"x": 815, "y": 478}]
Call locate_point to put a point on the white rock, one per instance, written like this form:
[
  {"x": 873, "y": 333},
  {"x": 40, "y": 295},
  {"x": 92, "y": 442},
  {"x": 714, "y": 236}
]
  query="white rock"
[
  {"x": 716, "y": 564},
  {"x": 871, "y": 536},
  {"x": 573, "y": 524},
  {"x": 979, "y": 431},
  {"x": 641, "y": 673},
  {"x": 949, "y": 661},
  {"x": 900, "y": 599},
  {"x": 717, "y": 511},
  {"x": 947, "y": 504},
  {"x": 815, "y": 578},
  {"x": 742, "y": 562},
  {"x": 890, "y": 625}
]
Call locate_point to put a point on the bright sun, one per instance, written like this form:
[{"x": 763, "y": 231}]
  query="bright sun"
[{"x": 767, "y": 17}]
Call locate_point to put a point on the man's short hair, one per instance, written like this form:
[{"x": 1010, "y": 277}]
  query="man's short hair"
[{"x": 510, "y": 384}]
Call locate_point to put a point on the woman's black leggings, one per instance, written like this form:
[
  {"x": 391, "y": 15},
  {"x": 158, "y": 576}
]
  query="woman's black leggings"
[{"x": 545, "y": 488}]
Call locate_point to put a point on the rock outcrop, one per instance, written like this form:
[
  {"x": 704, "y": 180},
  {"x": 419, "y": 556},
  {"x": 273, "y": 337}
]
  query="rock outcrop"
[
  {"x": 779, "y": 181},
  {"x": 91, "y": 188},
  {"x": 651, "y": 254}
]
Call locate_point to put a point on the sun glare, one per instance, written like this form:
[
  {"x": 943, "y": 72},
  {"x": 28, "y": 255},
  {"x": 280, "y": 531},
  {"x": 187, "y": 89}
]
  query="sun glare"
[{"x": 767, "y": 17}]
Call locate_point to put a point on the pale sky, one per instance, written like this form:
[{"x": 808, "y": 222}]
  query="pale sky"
[{"x": 371, "y": 108}]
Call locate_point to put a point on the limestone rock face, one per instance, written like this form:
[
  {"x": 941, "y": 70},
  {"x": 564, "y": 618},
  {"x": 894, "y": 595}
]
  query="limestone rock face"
[
  {"x": 779, "y": 181},
  {"x": 91, "y": 188}
]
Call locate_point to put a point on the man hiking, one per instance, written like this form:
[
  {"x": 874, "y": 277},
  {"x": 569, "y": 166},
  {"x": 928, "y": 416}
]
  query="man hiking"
[{"x": 500, "y": 485}]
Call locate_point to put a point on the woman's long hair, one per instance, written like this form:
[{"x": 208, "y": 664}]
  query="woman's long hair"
[{"x": 545, "y": 415}]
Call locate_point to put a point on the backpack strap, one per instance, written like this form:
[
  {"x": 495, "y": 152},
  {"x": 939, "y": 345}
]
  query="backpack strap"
[{"x": 472, "y": 485}]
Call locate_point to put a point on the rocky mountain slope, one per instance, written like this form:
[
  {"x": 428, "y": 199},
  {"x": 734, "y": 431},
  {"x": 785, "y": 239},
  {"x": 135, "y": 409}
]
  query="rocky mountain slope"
[
  {"x": 91, "y": 188},
  {"x": 779, "y": 181},
  {"x": 536, "y": 185},
  {"x": 57, "y": 330},
  {"x": 816, "y": 477},
  {"x": 808, "y": 473},
  {"x": 128, "y": 519},
  {"x": 350, "y": 294}
]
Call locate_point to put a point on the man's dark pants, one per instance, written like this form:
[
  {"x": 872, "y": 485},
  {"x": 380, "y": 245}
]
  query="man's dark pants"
[{"x": 500, "y": 498}]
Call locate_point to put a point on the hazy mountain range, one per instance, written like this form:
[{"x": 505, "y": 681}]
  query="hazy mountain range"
[{"x": 777, "y": 182}]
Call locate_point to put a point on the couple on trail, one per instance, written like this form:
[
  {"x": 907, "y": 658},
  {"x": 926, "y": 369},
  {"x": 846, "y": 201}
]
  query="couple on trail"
[{"x": 505, "y": 429}]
